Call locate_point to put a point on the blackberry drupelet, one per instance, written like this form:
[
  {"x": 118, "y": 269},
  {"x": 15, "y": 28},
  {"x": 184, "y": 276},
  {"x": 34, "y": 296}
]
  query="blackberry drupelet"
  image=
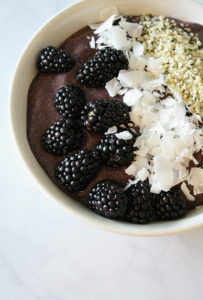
[
  {"x": 107, "y": 199},
  {"x": 62, "y": 137},
  {"x": 140, "y": 203},
  {"x": 102, "y": 68},
  {"x": 99, "y": 115},
  {"x": 170, "y": 205},
  {"x": 54, "y": 60},
  {"x": 116, "y": 152},
  {"x": 69, "y": 101},
  {"x": 76, "y": 170}
]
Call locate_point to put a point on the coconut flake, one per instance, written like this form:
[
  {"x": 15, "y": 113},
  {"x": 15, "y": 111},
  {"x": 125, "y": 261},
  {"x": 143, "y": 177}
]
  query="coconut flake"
[
  {"x": 111, "y": 130},
  {"x": 132, "y": 96},
  {"x": 196, "y": 177},
  {"x": 163, "y": 172},
  {"x": 148, "y": 99},
  {"x": 131, "y": 182},
  {"x": 131, "y": 170},
  {"x": 155, "y": 188},
  {"x": 138, "y": 48},
  {"x": 186, "y": 192},
  {"x": 154, "y": 83},
  {"x": 167, "y": 145},
  {"x": 198, "y": 189},
  {"x": 139, "y": 79},
  {"x": 143, "y": 174},
  {"x": 141, "y": 162},
  {"x": 182, "y": 172},
  {"x": 122, "y": 91},
  {"x": 132, "y": 79},
  {"x": 155, "y": 66},
  {"x": 153, "y": 141},
  {"x": 113, "y": 87},
  {"x": 136, "y": 63},
  {"x": 92, "y": 42},
  {"x": 124, "y": 135},
  {"x": 127, "y": 78},
  {"x": 119, "y": 39},
  {"x": 94, "y": 26},
  {"x": 106, "y": 25},
  {"x": 169, "y": 101},
  {"x": 133, "y": 29}
]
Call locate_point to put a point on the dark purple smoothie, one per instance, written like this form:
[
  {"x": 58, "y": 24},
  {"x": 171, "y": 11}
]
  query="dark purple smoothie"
[{"x": 41, "y": 113}]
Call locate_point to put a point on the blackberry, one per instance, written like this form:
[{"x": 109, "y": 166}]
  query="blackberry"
[
  {"x": 69, "y": 101},
  {"x": 107, "y": 199},
  {"x": 62, "y": 137},
  {"x": 116, "y": 152},
  {"x": 54, "y": 60},
  {"x": 102, "y": 68},
  {"x": 140, "y": 203},
  {"x": 99, "y": 115},
  {"x": 76, "y": 170},
  {"x": 170, "y": 205}
]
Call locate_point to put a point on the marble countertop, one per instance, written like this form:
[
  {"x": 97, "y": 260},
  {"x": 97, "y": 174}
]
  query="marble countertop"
[{"x": 45, "y": 253}]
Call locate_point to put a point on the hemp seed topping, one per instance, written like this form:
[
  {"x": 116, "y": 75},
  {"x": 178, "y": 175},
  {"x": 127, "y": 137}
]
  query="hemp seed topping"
[{"x": 182, "y": 57}]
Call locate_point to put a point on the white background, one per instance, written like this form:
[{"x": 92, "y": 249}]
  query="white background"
[{"x": 45, "y": 253}]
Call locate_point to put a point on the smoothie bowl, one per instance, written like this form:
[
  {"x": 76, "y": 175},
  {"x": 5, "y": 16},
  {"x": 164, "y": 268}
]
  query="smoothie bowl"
[{"x": 108, "y": 116}]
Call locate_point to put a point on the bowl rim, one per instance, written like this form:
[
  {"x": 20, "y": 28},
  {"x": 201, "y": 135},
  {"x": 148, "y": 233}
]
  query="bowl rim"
[{"x": 89, "y": 217}]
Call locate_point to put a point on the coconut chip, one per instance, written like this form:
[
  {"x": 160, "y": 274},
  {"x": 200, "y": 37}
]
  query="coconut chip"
[
  {"x": 186, "y": 192},
  {"x": 106, "y": 25},
  {"x": 195, "y": 178},
  {"x": 138, "y": 49},
  {"x": 132, "y": 96},
  {"x": 131, "y": 169},
  {"x": 92, "y": 42},
  {"x": 143, "y": 174},
  {"x": 122, "y": 91},
  {"x": 124, "y": 135},
  {"x": 136, "y": 63},
  {"x": 133, "y": 29},
  {"x": 119, "y": 39},
  {"x": 94, "y": 26},
  {"x": 155, "y": 65},
  {"x": 163, "y": 172},
  {"x": 111, "y": 130},
  {"x": 113, "y": 87}
]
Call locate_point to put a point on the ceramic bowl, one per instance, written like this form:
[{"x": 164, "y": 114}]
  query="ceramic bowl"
[{"x": 54, "y": 32}]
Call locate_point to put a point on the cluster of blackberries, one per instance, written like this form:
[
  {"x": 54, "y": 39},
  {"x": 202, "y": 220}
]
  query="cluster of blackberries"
[
  {"x": 95, "y": 73},
  {"x": 66, "y": 134},
  {"x": 137, "y": 204},
  {"x": 103, "y": 67},
  {"x": 75, "y": 171}
]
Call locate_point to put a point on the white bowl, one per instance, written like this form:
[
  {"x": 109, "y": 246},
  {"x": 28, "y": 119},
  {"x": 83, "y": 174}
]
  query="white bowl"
[{"x": 54, "y": 32}]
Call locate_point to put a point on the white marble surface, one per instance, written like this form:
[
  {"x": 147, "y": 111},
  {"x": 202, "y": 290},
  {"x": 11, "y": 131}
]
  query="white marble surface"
[{"x": 45, "y": 253}]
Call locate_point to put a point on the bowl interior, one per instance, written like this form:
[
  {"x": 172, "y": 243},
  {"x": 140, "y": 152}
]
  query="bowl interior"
[{"x": 54, "y": 32}]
